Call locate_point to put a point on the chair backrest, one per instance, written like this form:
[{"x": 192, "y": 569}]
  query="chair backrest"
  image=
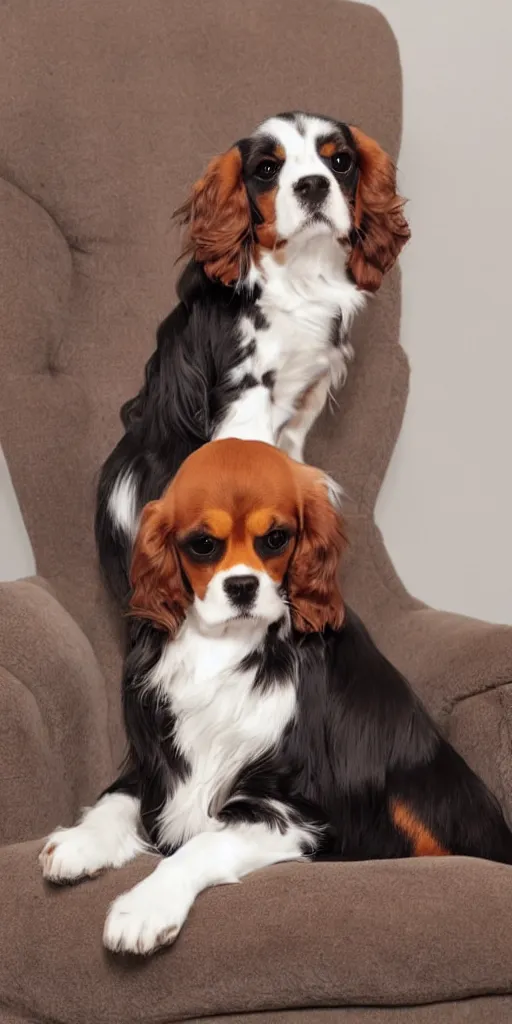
[{"x": 109, "y": 111}]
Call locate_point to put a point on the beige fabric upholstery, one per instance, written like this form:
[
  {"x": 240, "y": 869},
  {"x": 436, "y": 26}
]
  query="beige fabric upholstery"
[{"x": 109, "y": 109}]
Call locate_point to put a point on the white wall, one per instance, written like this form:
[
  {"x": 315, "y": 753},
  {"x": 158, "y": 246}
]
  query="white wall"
[
  {"x": 16, "y": 558},
  {"x": 446, "y": 506}
]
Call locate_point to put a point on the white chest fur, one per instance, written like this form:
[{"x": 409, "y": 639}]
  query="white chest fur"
[
  {"x": 222, "y": 721},
  {"x": 304, "y": 300}
]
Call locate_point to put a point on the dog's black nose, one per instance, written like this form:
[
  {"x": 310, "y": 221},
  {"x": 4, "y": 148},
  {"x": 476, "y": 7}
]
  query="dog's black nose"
[
  {"x": 312, "y": 189},
  {"x": 241, "y": 590}
]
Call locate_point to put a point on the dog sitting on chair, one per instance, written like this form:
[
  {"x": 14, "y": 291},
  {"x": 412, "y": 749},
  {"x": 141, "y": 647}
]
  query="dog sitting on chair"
[
  {"x": 287, "y": 234},
  {"x": 263, "y": 723}
]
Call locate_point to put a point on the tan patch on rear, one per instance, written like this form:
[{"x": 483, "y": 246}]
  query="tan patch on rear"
[{"x": 424, "y": 843}]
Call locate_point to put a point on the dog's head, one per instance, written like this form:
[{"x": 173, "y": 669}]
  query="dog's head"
[
  {"x": 242, "y": 532},
  {"x": 298, "y": 176}
]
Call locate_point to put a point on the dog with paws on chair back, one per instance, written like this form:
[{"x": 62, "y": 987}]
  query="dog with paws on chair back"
[
  {"x": 263, "y": 723},
  {"x": 288, "y": 232}
]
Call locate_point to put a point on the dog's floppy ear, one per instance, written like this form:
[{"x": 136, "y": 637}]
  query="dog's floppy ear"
[
  {"x": 380, "y": 229},
  {"x": 158, "y": 588},
  {"x": 218, "y": 217},
  {"x": 313, "y": 587}
]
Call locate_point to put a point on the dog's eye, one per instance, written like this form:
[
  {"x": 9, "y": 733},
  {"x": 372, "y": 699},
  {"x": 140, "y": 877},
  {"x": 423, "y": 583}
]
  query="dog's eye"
[
  {"x": 341, "y": 162},
  {"x": 267, "y": 169},
  {"x": 203, "y": 548},
  {"x": 273, "y": 543},
  {"x": 202, "y": 545},
  {"x": 276, "y": 539}
]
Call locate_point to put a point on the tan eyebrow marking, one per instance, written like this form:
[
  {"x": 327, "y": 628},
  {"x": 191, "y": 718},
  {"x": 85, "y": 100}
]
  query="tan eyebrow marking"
[
  {"x": 213, "y": 520},
  {"x": 260, "y": 521}
]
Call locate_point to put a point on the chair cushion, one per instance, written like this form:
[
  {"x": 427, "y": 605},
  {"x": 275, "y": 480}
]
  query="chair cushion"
[
  {"x": 109, "y": 111},
  {"x": 384, "y": 933}
]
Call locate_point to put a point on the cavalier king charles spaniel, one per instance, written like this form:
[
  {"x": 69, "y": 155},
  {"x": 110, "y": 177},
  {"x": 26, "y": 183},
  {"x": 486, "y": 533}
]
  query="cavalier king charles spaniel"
[
  {"x": 263, "y": 723},
  {"x": 286, "y": 234}
]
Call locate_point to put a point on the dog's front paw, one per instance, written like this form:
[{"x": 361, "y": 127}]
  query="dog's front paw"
[
  {"x": 146, "y": 917},
  {"x": 70, "y": 854}
]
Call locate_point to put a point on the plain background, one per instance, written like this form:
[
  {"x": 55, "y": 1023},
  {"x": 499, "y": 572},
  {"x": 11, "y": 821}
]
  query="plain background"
[{"x": 446, "y": 506}]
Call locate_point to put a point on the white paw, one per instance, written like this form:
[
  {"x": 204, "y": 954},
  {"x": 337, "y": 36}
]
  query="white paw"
[
  {"x": 146, "y": 917},
  {"x": 70, "y": 854}
]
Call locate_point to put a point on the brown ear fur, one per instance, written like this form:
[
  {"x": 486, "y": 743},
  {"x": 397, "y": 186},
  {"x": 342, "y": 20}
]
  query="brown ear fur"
[
  {"x": 219, "y": 219},
  {"x": 158, "y": 589},
  {"x": 313, "y": 588},
  {"x": 379, "y": 224}
]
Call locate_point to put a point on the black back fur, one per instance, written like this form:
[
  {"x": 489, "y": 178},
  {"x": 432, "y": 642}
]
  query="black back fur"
[
  {"x": 187, "y": 388},
  {"x": 361, "y": 744}
]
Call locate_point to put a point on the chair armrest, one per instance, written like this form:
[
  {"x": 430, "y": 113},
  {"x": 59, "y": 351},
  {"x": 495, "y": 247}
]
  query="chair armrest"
[
  {"x": 447, "y": 658},
  {"x": 54, "y": 747},
  {"x": 462, "y": 670}
]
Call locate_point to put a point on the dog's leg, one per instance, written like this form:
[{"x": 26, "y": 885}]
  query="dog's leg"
[
  {"x": 249, "y": 417},
  {"x": 152, "y": 913},
  {"x": 106, "y": 837},
  {"x": 293, "y": 434}
]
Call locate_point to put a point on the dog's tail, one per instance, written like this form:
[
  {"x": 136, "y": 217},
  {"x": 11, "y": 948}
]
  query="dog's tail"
[{"x": 118, "y": 508}]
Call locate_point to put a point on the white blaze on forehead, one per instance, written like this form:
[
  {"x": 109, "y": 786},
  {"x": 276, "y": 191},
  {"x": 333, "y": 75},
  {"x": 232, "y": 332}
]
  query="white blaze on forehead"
[{"x": 299, "y": 138}]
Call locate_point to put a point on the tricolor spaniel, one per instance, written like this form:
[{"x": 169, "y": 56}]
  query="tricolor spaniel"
[
  {"x": 263, "y": 723},
  {"x": 287, "y": 233}
]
